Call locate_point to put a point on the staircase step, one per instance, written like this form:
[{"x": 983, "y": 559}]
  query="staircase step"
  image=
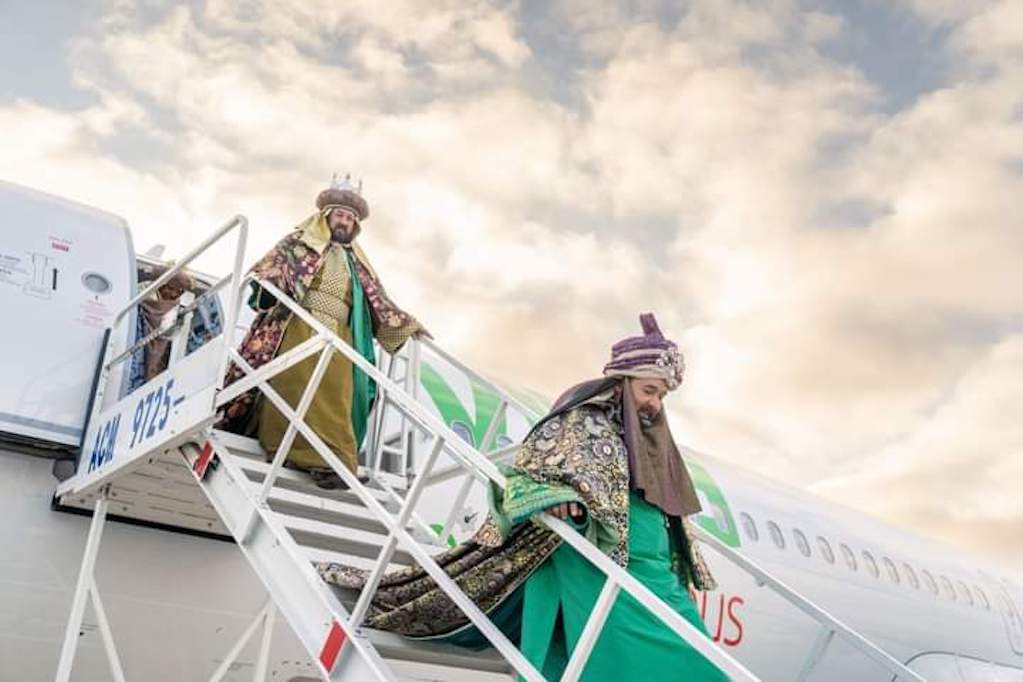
[
  {"x": 397, "y": 648},
  {"x": 301, "y": 482},
  {"x": 312, "y": 533}
]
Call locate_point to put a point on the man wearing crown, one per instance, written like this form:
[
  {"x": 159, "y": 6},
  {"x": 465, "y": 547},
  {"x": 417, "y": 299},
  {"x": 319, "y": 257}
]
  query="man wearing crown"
[
  {"x": 320, "y": 266},
  {"x": 604, "y": 460}
]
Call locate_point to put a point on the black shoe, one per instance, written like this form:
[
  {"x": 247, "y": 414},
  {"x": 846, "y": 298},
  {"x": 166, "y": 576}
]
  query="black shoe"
[{"x": 327, "y": 479}]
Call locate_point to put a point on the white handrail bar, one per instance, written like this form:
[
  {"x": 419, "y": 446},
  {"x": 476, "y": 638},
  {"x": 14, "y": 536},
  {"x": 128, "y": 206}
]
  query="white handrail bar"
[
  {"x": 447, "y": 584},
  {"x": 473, "y": 374},
  {"x": 238, "y": 220},
  {"x": 484, "y": 469},
  {"x": 644, "y": 596},
  {"x": 893, "y": 665},
  {"x": 825, "y": 619},
  {"x": 478, "y": 464},
  {"x": 235, "y": 303},
  {"x": 454, "y": 471}
]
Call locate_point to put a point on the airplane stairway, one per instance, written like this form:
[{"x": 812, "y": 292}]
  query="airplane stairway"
[{"x": 155, "y": 454}]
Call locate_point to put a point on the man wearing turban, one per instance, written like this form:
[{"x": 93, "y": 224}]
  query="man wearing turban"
[
  {"x": 603, "y": 459},
  {"x": 320, "y": 266}
]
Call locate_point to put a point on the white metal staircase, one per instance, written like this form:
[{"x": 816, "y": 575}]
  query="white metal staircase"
[{"x": 153, "y": 455}]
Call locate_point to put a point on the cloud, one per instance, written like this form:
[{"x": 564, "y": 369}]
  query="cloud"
[
  {"x": 950, "y": 474},
  {"x": 842, "y": 278}
]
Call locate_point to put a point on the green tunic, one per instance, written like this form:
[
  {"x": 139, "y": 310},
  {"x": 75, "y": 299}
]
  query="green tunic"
[{"x": 561, "y": 594}]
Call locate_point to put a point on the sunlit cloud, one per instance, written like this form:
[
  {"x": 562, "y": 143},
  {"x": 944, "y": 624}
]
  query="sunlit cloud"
[{"x": 842, "y": 273}]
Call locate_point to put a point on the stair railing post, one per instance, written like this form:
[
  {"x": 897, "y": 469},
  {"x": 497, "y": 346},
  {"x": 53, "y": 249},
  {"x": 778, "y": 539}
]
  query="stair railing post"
[
  {"x": 299, "y": 416},
  {"x": 592, "y": 630},
  {"x": 817, "y": 651},
  {"x": 179, "y": 341},
  {"x": 387, "y": 551},
  {"x": 234, "y": 304},
  {"x": 83, "y": 589},
  {"x": 104, "y": 630},
  {"x": 236, "y": 649},
  {"x": 263, "y": 660},
  {"x": 408, "y": 435},
  {"x": 466, "y": 487}
]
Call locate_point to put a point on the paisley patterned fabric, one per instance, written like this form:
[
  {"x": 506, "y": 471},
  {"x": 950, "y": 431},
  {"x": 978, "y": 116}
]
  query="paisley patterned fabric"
[
  {"x": 292, "y": 266},
  {"x": 577, "y": 456},
  {"x": 583, "y": 449}
]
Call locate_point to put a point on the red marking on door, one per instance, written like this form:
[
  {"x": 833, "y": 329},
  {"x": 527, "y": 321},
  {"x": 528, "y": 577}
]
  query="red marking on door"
[
  {"x": 332, "y": 647},
  {"x": 203, "y": 462}
]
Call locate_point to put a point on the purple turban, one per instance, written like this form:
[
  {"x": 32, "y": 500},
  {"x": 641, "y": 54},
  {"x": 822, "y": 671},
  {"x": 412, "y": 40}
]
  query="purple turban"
[{"x": 650, "y": 356}]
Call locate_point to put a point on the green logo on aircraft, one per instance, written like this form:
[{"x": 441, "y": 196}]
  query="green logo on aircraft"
[
  {"x": 471, "y": 429},
  {"x": 716, "y": 517}
]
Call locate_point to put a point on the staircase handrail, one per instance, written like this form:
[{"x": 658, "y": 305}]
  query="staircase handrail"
[
  {"x": 828, "y": 622},
  {"x": 484, "y": 470}
]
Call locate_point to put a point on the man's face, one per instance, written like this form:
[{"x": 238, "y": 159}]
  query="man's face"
[
  {"x": 342, "y": 225},
  {"x": 171, "y": 290},
  {"x": 648, "y": 394}
]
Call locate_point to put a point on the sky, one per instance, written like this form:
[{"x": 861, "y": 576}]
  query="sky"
[{"x": 819, "y": 200}]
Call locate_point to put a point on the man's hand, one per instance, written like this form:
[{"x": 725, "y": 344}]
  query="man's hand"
[{"x": 566, "y": 510}]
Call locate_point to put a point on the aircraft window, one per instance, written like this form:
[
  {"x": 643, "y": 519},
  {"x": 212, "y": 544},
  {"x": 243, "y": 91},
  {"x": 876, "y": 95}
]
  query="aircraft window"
[
  {"x": 826, "y": 551},
  {"x": 750, "y": 526},
  {"x": 779, "y": 539},
  {"x": 908, "y": 570},
  {"x": 965, "y": 591},
  {"x": 463, "y": 432},
  {"x": 893, "y": 572},
  {"x": 982, "y": 598},
  {"x": 949, "y": 590},
  {"x": 868, "y": 559},
  {"x": 801, "y": 542},
  {"x": 850, "y": 558},
  {"x": 929, "y": 579}
]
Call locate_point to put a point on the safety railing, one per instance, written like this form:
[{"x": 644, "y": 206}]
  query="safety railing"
[
  {"x": 830, "y": 627},
  {"x": 113, "y": 356},
  {"x": 441, "y": 439}
]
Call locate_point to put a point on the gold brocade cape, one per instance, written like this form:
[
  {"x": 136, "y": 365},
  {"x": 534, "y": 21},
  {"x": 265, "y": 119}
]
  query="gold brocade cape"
[
  {"x": 291, "y": 266},
  {"x": 574, "y": 455}
]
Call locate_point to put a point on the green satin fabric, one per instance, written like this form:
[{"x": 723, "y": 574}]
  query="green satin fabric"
[
  {"x": 633, "y": 644},
  {"x": 363, "y": 386}
]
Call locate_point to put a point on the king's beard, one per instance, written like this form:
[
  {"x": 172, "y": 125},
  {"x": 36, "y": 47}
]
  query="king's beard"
[
  {"x": 342, "y": 236},
  {"x": 646, "y": 420}
]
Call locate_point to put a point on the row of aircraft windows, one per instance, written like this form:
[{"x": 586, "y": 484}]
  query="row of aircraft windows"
[{"x": 976, "y": 597}]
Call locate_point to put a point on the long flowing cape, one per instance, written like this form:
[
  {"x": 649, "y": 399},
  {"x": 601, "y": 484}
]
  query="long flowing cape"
[{"x": 573, "y": 455}]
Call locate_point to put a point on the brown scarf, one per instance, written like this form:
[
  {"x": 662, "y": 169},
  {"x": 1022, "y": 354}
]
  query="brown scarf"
[{"x": 655, "y": 464}]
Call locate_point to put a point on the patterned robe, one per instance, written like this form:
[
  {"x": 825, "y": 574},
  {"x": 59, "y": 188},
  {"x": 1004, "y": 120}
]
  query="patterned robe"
[
  {"x": 292, "y": 265},
  {"x": 573, "y": 455}
]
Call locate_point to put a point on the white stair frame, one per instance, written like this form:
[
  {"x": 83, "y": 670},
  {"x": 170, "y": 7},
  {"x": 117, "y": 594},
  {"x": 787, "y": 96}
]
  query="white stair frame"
[
  {"x": 333, "y": 636},
  {"x": 86, "y": 587},
  {"x": 831, "y": 628}
]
